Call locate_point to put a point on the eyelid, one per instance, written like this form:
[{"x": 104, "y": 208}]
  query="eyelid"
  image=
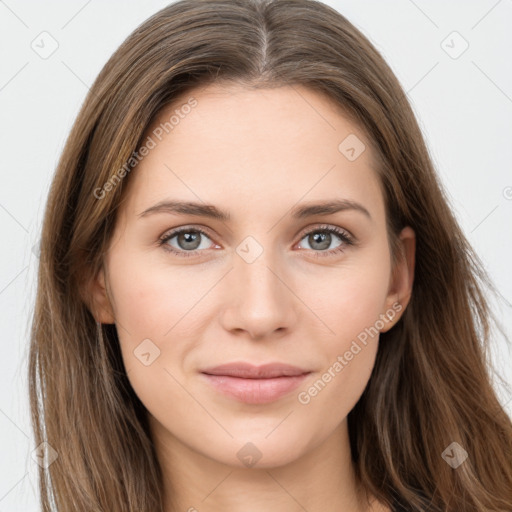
[
  {"x": 327, "y": 227},
  {"x": 171, "y": 233}
]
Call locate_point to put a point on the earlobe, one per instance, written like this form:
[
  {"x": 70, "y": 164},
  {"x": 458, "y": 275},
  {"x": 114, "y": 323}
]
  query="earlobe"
[
  {"x": 402, "y": 278},
  {"x": 101, "y": 306}
]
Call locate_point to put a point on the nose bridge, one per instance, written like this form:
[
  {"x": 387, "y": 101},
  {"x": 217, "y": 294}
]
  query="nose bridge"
[
  {"x": 259, "y": 300},
  {"x": 255, "y": 268}
]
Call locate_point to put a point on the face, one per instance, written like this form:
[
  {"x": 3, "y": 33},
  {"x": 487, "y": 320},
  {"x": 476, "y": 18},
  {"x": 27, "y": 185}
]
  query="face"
[{"x": 259, "y": 276}]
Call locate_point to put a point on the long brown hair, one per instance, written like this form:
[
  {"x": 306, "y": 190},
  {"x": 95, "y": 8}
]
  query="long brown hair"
[{"x": 432, "y": 381}]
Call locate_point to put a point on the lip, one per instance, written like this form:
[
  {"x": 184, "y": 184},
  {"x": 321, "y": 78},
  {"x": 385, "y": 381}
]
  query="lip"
[
  {"x": 251, "y": 371},
  {"x": 255, "y": 384}
]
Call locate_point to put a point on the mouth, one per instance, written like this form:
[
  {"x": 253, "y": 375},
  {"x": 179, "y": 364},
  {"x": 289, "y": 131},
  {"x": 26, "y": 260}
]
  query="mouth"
[{"x": 255, "y": 384}]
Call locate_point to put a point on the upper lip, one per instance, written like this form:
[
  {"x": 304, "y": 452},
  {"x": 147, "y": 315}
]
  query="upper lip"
[{"x": 250, "y": 371}]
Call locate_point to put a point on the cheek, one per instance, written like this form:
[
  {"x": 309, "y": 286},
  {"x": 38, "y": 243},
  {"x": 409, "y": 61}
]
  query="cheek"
[
  {"x": 352, "y": 313},
  {"x": 349, "y": 300},
  {"x": 153, "y": 306},
  {"x": 151, "y": 299},
  {"x": 350, "y": 303}
]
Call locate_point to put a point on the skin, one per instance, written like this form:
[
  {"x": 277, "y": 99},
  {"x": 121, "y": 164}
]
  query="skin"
[{"x": 256, "y": 154}]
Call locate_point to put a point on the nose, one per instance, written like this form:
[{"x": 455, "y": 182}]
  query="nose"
[{"x": 259, "y": 298}]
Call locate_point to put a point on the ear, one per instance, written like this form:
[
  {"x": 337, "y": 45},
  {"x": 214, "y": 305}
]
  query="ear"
[
  {"x": 402, "y": 278},
  {"x": 100, "y": 303}
]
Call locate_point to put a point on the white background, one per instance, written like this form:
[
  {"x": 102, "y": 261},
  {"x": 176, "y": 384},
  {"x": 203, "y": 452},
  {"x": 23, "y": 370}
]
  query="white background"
[{"x": 464, "y": 107}]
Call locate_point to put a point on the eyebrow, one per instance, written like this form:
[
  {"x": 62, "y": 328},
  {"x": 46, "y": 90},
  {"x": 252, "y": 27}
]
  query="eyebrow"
[{"x": 211, "y": 211}]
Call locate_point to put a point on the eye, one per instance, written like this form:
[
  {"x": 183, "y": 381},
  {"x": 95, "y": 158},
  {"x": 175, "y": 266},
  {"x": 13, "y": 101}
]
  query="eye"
[
  {"x": 321, "y": 238},
  {"x": 188, "y": 241}
]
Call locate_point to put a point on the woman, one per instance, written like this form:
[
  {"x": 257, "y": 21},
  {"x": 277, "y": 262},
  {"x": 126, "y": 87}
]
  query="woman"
[{"x": 253, "y": 293}]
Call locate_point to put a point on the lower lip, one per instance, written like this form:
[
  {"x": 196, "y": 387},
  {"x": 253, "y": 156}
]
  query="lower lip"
[{"x": 255, "y": 391}]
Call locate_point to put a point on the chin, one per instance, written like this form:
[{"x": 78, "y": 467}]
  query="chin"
[{"x": 256, "y": 452}]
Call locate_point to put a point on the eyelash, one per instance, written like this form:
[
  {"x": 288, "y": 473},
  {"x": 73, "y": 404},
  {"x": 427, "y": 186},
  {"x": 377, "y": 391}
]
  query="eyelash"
[{"x": 346, "y": 239}]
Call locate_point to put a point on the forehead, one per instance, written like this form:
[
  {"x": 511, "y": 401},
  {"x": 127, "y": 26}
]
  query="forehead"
[{"x": 249, "y": 147}]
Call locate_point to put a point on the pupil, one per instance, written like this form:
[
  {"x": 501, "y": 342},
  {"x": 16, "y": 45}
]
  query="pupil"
[
  {"x": 188, "y": 240},
  {"x": 325, "y": 240}
]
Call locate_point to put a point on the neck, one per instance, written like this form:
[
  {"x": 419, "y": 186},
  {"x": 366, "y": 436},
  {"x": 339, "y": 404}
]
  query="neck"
[{"x": 321, "y": 480}]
